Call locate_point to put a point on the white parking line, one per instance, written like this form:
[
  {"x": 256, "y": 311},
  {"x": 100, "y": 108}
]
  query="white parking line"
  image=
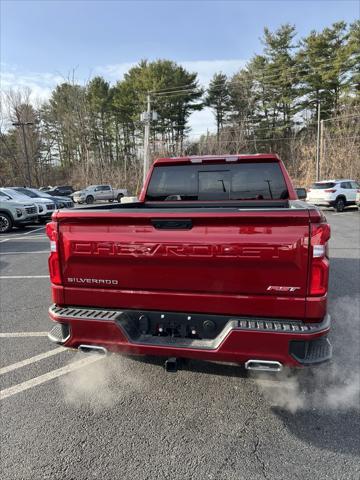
[
  {"x": 34, "y": 230},
  {"x": 21, "y": 253},
  {"x": 342, "y": 214},
  {"x": 22, "y": 334},
  {"x": 9, "y": 277},
  {"x": 22, "y": 235},
  {"x": 21, "y": 238},
  {"x": 28, "y": 361},
  {"x": 8, "y": 392}
]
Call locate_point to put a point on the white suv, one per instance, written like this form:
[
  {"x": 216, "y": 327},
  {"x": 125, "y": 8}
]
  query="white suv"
[{"x": 334, "y": 193}]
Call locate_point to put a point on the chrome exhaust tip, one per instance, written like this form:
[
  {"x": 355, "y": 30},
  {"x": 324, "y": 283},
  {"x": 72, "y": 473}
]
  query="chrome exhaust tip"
[
  {"x": 92, "y": 349},
  {"x": 264, "y": 365}
]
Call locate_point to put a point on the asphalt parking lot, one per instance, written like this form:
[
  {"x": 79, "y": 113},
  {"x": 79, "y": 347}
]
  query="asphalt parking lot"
[{"x": 65, "y": 416}]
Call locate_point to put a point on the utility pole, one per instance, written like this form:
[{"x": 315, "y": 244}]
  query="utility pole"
[
  {"x": 322, "y": 156},
  {"x": 146, "y": 117},
  {"x": 147, "y": 138},
  {"x": 318, "y": 144},
  {"x": 22, "y": 125}
]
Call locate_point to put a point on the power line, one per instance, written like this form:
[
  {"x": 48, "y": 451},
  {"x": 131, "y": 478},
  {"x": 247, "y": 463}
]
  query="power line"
[
  {"x": 254, "y": 128},
  {"x": 178, "y": 93},
  {"x": 339, "y": 117},
  {"x": 264, "y": 140},
  {"x": 182, "y": 87}
]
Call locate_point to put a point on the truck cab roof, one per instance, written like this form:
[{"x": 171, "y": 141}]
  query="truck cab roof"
[{"x": 218, "y": 158}]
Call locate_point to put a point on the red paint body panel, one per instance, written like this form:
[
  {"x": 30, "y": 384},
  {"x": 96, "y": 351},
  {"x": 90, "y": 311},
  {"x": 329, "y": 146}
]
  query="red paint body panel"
[
  {"x": 233, "y": 258},
  {"x": 249, "y": 262}
]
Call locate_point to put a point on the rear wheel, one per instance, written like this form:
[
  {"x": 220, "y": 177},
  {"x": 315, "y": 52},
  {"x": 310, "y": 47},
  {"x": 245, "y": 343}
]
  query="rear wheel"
[
  {"x": 6, "y": 223},
  {"x": 89, "y": 199},
  {"x": 340, "y": 204},
  {"x": 119, "y": 197}
]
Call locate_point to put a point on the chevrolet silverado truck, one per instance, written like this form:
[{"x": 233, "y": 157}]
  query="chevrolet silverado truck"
[
  {"x": 218, "y": 260},
  {"x": 99, "y": 192}
]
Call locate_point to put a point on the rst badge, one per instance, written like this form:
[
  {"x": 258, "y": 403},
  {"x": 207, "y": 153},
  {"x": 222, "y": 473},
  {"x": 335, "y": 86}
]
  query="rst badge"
[{"x": 273, "y": 288}]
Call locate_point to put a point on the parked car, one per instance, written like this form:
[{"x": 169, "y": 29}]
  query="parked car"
[
  {"x": 45, "y": 206},
  {"x": 60, "y": 202},
  {"x": 61, "y": 191},
  {"x": 15, "y": 213},
  {"x": 338, "y": 194},
  {"x": 218, "y": 260},
  {"x": 99, "y": 192}
]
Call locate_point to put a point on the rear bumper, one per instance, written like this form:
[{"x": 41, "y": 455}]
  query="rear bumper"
[
  {"x": 26, "y": 221},
  {"x": 321, "y": 202},
  {"x": 290, "y": 342},
  {"x": 47, "y": 214}
]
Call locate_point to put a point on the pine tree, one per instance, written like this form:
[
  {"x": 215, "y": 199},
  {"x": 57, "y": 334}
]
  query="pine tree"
[
  {"x": 218, "y": 99},
  {"x": 324, "y": 64}
]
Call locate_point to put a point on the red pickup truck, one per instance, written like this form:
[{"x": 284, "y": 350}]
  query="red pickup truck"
[{"x": 218, "y": 260}]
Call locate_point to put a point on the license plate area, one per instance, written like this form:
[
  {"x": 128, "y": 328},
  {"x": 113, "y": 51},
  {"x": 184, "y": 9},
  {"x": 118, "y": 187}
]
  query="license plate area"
[{"x": 171, "y": 325}]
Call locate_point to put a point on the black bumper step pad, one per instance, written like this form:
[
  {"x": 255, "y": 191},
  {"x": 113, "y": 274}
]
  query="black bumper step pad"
[
  {"x": 59, "y": 333},
  {"x": 311, "y": 352}
]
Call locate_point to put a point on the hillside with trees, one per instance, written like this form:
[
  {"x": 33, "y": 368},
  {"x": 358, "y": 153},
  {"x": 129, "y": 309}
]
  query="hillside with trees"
[{"x": 93, "y": 133}]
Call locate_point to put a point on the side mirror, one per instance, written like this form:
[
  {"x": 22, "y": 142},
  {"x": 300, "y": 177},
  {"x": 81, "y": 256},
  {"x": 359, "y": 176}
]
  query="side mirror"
[{"x": 301, "y": 193}]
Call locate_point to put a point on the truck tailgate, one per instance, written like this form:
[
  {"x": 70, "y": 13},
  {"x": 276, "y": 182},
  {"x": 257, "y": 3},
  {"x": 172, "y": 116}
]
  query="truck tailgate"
[{"x": 246, "y": 262}]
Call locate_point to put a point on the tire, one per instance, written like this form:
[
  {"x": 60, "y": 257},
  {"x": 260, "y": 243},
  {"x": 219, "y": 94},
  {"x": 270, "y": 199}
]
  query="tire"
[
  {"x": 6, "y": 223},
  {"x": 340, "y": 204},
  {"x": 89, "y": 200},
  {"x": 119, "y": 197}
]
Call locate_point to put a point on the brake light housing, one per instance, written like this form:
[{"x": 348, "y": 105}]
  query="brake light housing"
[
  {"x": 319, "y": 259},
  {"x": 330, "y": 190},
  {"x": 54, "y": 261}
]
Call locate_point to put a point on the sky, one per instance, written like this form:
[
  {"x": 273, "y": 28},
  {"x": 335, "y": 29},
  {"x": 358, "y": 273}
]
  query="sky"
[{"x": 43, "y": 42}]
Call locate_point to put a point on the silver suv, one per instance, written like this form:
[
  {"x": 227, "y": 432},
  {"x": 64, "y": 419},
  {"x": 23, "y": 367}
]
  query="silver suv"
[{"x": 15, "y": 214}]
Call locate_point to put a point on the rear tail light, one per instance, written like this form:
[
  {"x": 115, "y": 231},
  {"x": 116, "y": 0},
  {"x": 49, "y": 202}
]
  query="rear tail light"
[
  {"x": 54, "y": 263},
  {"x": 330, "y": 190},
  {"x": 319, "y": 272}
]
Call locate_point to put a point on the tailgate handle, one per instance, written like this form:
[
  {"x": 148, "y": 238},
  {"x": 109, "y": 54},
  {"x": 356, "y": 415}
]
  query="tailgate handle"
[{"x": 179, "y": 224}]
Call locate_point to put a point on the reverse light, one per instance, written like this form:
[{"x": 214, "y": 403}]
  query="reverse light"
[
  {"x": 54, "y": 263},
  {"x": 318, "y": 251},
  {"x": 319, "y": 271}
]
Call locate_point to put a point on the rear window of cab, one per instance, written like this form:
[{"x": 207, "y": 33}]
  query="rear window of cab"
[
  {"x": 240, "y": 181},
  {"x": 322, "y": 185}
]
